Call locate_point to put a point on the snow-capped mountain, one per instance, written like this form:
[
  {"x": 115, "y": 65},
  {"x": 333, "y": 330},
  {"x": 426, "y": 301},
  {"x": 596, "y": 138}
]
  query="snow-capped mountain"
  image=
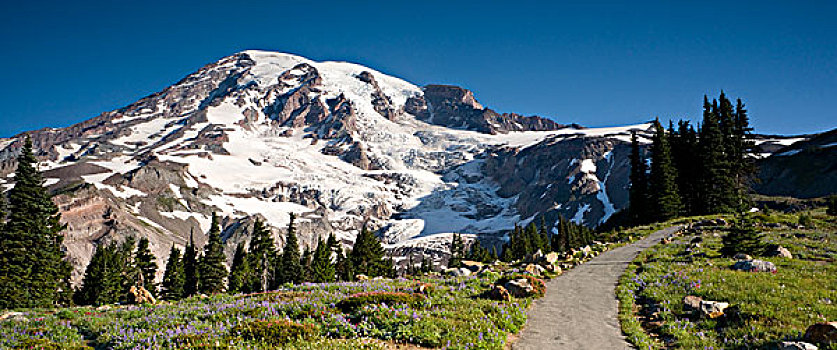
[{"x": 262, "y": 134}]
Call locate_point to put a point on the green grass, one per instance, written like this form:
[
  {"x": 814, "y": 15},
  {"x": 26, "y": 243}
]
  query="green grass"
[{"x": 770, "y": 307}]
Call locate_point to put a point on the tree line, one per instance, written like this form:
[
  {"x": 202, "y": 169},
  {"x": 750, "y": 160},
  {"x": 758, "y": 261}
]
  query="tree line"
[
  {"x": 694, "y": 170},
  {"x": 257, "y": 268},
  {"x": 523, "y": 242}
]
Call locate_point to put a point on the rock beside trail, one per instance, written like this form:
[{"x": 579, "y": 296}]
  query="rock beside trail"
[
  {"x": 825, "y": 332},
  {"x": 519, "y": 288},
  {"x": 781, "y": 252},
  {"x": 534, "y": 269},
  {"x": 474, "y": 266},
  {"x": 796, "y": 345},
  {"x": 713, "y": 309},
  {"x": 692, "y": 302},
  {"x": 458, "y": 272},
  {"x": 708, "y": 308},
  {"x": 499, "y": 293},
  {"x": 754, "y": 265},
  {"x": 362, "y": 277},
  {"x": 551, "y": 258},
  {"x": 140, "y": 296},
  {"x": 13, "y": 316},
  {"x": 534, "y": 257}
]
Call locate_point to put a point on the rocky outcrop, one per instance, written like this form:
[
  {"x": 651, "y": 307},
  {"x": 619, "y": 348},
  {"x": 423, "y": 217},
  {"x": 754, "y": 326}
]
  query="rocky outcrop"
[
  {"x": 805, "y": 169},
  {"x": 455, "y": 107},
  {"x": 380, "y": 101}
]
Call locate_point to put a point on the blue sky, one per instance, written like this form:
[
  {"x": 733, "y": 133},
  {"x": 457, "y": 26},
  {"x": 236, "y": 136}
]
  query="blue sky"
[{"x": 596, "y": 64}]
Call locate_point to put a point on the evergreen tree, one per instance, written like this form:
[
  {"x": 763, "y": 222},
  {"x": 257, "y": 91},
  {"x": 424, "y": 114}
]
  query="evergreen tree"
[
  {"x": 345, "y": 269},
  {"x": 240, "y": 273},
  {"x": 146, "y": 265},
  {"x": 367, "y": 255},
  {"x": 714, "y": 177},
  {"x": 663, "y": 180},
  {"x": 34, "y": 269},
  {"x": 559, "y": 236},
  {"x": 130, "y": 272},
  {"x": 262, "y": 258},
  {"x": 290, "y": 270},
  {"x": 638, "y": 194},
  {"x": 684, "y": 154},
  {"x": 191, "y": 273},
  {"x": 322, "y": 269},
  {"x": 742, "y": 148},
  {"x": 173, "y": 277},
  {"x": 305, "y": 262},
  {"x": 743, "y": 238},
  {"x": 457, "y": 251},
  {"x": 102, "y": 281},
  {"x": 211, "y": 265}
]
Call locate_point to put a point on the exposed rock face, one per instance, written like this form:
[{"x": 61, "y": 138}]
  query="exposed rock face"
[
  {"x": 545, "y": 176},
  {"x": 805, "y": 169},
  {"x": 455, "y": 107}
]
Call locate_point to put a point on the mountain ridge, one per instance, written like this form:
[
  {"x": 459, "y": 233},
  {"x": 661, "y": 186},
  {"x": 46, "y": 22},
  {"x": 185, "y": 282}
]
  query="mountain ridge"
[{"x": 257, "y": 135}]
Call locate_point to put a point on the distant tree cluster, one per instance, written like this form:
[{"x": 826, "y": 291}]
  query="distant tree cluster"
[
  {"x": 694, "y": 171},
  {"x": 33, "y": 271},
  {"x": 113, "y": 269},
  {"x": 564, "y": 237}
]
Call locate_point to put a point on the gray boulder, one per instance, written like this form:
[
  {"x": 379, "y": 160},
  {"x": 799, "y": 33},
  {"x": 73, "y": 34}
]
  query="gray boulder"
[{"x": 754, "y": 265}]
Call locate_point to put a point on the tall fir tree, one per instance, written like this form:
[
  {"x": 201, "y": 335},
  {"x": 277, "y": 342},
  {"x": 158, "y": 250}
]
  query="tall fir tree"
[
  {"x": 662, "y": 184},
  {"x": 290, "y": 270},
  {"x": 212, "y": 268},
  {"x": 305, "y": 262},
  {"x": 684, "y": 154},
  {"x": 457, "y": 251},
  {"x": 146, "y": 264},
  {"x": 102, "y": 281},
  {"x": 262, "y": 258},
  {"x": 240, "y": 272},
  {"x": 131, "y": 274},
  {"x": 173, "y": 277},
  {"x": 344, "y": 268},
  {"x": 322, "y": 268},
  {"x": 743, "y": 147},
  {"x": 191, "y": 273},
  {"x": 714, "y": 174},
  {"x": 367, "y": 255},
  {"x": 638, "y": 194},
  {"x": 34, "y": 269}
]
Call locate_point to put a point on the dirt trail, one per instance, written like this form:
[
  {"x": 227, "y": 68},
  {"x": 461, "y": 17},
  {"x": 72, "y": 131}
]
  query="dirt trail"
[{"x": 580, "y": 307}]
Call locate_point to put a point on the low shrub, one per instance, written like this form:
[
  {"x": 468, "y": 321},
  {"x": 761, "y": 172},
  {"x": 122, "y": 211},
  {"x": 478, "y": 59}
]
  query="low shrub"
[
  {"x": 356, "y": 301},
  {"x": 275, "y": 332}
]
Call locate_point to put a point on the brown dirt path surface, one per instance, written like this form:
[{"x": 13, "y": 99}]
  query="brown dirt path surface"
[{"x": 579, "y": 310}]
